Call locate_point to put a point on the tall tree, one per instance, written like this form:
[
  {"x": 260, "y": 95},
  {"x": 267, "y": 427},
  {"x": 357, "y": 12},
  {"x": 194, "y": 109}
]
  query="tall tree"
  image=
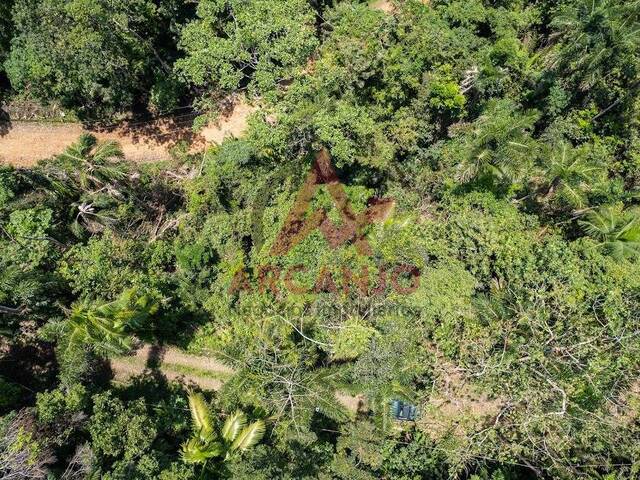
[
  {"x": 96, "y": 57},
  {"x": 6, "y": 32},
  {"x": 6, "y": 28},
  {"x": 235, "y": 43},
  {"x": 597, "y": 56}
]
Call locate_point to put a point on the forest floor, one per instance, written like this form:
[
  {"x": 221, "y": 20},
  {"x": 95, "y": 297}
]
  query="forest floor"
[
  {"x": 205, "y": 372},
  {"x": 24, "y": 143}
]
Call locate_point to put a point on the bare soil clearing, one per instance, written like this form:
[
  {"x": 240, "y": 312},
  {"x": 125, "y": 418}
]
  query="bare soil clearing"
[
  {"x": 387, "y": 6},
  {"x": 456, "y": 406},
  {"x": 383, "y": 5},
  {"x": 232, "y": 125},
  {"x": 23, "y": 144}
]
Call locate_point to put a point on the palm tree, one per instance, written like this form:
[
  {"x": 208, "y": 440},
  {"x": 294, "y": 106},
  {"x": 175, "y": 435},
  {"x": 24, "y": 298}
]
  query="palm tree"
[
  {"x": 235, "y": 437},
  {"x": 616, "y": 230},
  {"x": 498, "y": 144},
  {"x": 96, "y": 162},
  {"x": 572, "y": 175},
  {"x": 596, "y": 58},
  {"x": 90, "y": 218},
  {"x": 596, "y": 36},
  {"x": 87, "y": 166},
  {"x": 107, "y": 327},
  {"x": 91, "y": 177}
]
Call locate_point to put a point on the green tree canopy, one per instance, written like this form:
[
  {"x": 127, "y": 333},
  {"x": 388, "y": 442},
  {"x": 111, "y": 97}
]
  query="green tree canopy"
[
  {"x": 234, "y": 44},
  {"x": 95, "y": 57}
]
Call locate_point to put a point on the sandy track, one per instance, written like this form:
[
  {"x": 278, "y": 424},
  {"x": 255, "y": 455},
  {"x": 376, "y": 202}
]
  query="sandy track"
[
  {"x": 123, "y": 371},
  {"x": 27, "y": 142},
  {"x": 200, "y": 370},
  {"x": 387, "y": 6},
  {"x": 232, "y": 125},
  {"x": 167, "y": 360},
  {"x": 23, "y": 144},
  {"x": 172, "y": 355}
]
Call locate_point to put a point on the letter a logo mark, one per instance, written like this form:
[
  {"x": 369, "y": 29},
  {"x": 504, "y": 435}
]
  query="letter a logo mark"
[{"x": 298, "y": 225}]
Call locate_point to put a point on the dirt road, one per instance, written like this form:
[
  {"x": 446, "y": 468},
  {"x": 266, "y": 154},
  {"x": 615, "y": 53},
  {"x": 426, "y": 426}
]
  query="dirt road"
[
  {"x": 174, "y": 364},
  {"x": 383, "y": 5},
  {"x": 23, "y": 144},
  {"x": 206, "y": 372}
]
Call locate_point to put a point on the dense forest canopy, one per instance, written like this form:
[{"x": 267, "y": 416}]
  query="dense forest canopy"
[{"x": 505, "y": 138}]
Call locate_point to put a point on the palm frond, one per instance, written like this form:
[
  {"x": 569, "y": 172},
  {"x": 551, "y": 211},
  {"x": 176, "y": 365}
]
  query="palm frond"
[
  {"x": 249, "y": 436},
  {"x": 233, "y": 425},
  {"x": 107, "y": 327},
  {"x": 201, "y": 416},
  {"x": 195, "y": 451},
  {"x": 617, "y": 231},
  {"x": 107, "y": 151},
  {"x": 77, "y": 152}
]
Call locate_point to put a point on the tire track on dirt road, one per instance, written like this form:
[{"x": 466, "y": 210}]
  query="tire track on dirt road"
[{"x": 206, "y": 372}]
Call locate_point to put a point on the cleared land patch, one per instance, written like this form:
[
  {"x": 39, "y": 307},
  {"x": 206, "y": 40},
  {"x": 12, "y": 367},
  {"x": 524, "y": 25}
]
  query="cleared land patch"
[{"x": 24, "y": 143}]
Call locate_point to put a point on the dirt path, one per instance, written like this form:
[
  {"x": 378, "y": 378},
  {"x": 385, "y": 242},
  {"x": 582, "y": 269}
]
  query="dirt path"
[
  {"x": 233, "y": 124},
  {"x": 28, "y": 142},
  {"x": 203, "y": 371},
  {"x": 124, "y": 370},
  {"x": 384, "y": 5},
  {"x": 206, "y": 372},
  {"x": 23, "y": 144},
  {"x": 387, "y": 6}
]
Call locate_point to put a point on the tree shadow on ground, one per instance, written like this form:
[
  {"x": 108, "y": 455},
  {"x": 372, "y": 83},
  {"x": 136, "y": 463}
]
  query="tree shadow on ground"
[
  {"x": 5, "y": 122},
  {"x": 167, "y": 131},
  {"x": 31, "y": 366},
  {"x": 156, "y": 354}
]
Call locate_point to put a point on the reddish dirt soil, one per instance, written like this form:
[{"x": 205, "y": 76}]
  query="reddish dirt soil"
[{"x": 23, "y": 144}]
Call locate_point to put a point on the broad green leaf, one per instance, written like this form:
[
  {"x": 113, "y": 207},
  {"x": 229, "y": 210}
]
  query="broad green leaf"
[{"x": 195, "y": 451}]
